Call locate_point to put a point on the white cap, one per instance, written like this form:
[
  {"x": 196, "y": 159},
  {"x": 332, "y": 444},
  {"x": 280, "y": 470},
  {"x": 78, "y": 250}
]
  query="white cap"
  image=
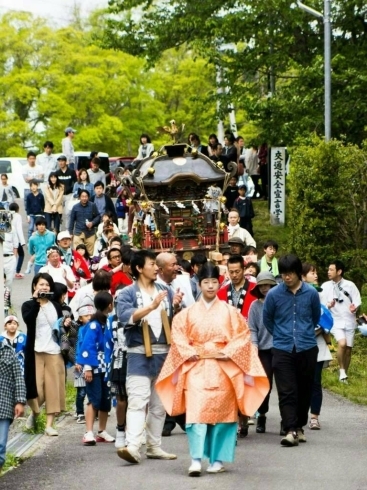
[
  {"x": 11, "y": 318},
  {"x": 62, "y": 235}
]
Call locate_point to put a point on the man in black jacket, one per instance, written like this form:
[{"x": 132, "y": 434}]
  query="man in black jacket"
[
  {"x": 67, "y": 177},
  {"x": 103, "y": 202}
]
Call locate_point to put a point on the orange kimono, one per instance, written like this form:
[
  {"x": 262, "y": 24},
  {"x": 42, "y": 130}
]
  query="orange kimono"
[{"x": 211, "y": 390}]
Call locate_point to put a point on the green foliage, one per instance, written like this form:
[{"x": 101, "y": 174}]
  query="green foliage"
[
  {"x": 54, "y": 78},
  {"x": 271, "y": 56},
  {"x": 11, "y": 462},
  {"x": 327, "y": 205}
]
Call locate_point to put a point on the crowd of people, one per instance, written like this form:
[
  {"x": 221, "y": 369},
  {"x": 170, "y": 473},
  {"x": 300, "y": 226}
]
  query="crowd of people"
[{"x": 195, "y": 343}]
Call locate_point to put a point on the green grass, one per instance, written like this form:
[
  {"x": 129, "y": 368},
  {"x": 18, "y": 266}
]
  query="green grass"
[
  {"x": 41, "y": 419},
  {"x": 11, "y": 462},
  {"x": 264, "y": 231},
  {"x": 356, "y": 389}
]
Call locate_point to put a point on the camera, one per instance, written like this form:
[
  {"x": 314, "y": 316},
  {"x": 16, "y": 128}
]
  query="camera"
[
  {"x": 45, "y": 295},
  {"x": 361, "y": 321}
]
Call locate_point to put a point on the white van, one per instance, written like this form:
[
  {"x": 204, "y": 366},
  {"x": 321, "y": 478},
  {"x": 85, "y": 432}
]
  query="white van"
[{"x": 12, "y": 167}]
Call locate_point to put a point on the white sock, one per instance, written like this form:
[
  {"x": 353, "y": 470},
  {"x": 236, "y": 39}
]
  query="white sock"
[
  {"x": 195, "y": 460},
  {"x": 343, "y": 374}
]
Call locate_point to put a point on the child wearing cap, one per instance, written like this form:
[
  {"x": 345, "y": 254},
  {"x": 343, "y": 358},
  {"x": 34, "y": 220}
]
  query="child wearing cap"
[
  {"x": 16, "y": 339},
  {"x": 85, "y": 312}
]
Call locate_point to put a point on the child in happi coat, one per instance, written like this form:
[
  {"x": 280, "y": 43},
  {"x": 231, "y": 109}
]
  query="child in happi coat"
[
  {"x": 94, "y": 354},
  {"x": 16, "y": 339},
  {"x": 85, "y": 312}
]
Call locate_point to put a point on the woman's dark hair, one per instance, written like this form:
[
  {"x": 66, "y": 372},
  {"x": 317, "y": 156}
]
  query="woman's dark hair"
[
  {"x": 59, "y": 291},
  {"x": 230, "y": 137},
  {"x": 109, "y": 214},
  {"x": 101, "y": 301},
  {"x": 290, "y": 263},
  {"x": 82, "y": 246},
  {"x": 111, "y": 251},
  {"x": 14, "y": 207},
  {"x": 47, "y": 277},
  {"x": 102, "y": 280},
  {"x": 214, "y": 136},
  {"x": 57, "y": 184},
  {"x": 139, "y": 259},
  {"x": 86, "y": 171},
  {"x": 249, "y": 248},
  {"x": 144, "y": 135},
  {"x": 208, "y": 271},
  {"x": 48, "y": 144},
  {"x": 307, "y": 267}
]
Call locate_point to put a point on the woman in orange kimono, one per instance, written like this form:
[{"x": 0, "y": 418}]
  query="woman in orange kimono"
[{"x": 212, "y": 371}]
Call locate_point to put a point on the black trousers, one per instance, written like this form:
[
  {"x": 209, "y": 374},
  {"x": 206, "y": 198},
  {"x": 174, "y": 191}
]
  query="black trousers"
[
  {"x": 170, "y": 422},
  {"x": 294, "y": 376},
  {"x": 266, "y": 359},
  {"x": 20, "y": 259}
]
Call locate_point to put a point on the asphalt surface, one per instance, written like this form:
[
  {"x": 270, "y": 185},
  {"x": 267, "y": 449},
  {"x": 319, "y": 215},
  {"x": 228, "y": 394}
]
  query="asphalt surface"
[{"x": 334, "y": 458}]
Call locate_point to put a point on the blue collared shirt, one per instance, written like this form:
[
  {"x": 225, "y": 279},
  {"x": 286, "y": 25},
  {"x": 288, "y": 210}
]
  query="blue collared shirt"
[{"x": 292, "y": 318}]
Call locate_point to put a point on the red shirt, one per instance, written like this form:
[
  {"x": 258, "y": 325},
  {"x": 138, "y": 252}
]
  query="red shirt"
[
  {"x": 119, "y": 278},
  {"x": 249, "y": 297}
]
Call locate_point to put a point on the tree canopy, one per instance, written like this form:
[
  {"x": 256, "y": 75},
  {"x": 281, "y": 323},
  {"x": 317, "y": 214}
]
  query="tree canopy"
[
  {"x": 271, "y": 54},
  {"x": 51, "y": 79}
]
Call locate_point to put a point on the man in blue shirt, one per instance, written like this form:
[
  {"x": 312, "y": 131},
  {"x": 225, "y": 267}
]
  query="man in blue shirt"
[{"x": 291, "y": 314}]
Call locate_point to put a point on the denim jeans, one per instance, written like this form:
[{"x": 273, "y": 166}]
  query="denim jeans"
[
  {"x": 81, "y": 393},
  {"x": 32, "y": 220},
  {"x": 20, "y": 258},
  {"x": 54, "y": 218},
  {"x": 4, "y": 430},
  {"x": 37, "y": 268}
]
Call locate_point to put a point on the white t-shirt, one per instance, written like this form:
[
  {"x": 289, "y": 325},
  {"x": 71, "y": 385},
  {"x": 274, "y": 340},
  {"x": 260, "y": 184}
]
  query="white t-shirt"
[
  {"x": 154, "y": 318},
  {"x": 57, "y": 273},
  {"x": 35, "y": 172},
  {"x": 44, "y": 341},
  {"x": 342, "y": 316}
]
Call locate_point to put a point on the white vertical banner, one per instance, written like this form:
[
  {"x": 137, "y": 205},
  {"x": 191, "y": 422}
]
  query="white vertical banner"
[{"x": 277, "y": 185}]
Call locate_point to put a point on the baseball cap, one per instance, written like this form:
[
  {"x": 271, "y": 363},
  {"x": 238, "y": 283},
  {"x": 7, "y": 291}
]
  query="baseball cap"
[
  {"x": 10, "y": 318},
  {"x": 69, "y": 129},
  {"x": 236, "y": 239},
  {"x": 62, "y": 157},
  {"x": 62, "y": 235}
]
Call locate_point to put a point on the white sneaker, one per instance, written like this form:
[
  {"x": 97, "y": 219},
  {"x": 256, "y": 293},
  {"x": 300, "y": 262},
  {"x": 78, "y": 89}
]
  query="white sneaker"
[
  {"x": 158, "y": 453},
  {"x": 88, "y": 439},
  {"x": 120, "y": 439},
  {"x": 104, "y": 436},
  {"x": 129, "y": 454},
  {"x": 216, "y": 467},
  {"x": 195, "y": 468},
  {"x": 50, "y": 431},
  {"x": 144, "y": 438},
  {"x": 29, "y": 268},
  {"x": 31, "y": 421}
]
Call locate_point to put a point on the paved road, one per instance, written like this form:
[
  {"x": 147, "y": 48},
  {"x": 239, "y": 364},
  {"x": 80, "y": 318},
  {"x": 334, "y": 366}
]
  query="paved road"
[{"x": 332, "y": 459}]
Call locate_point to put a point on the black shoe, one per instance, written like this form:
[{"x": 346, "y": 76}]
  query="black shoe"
[
  {"x": 282, "y": 432},
  {"x": 261, "y": 424},
  {"x": 243, "y": 432},
  {"x": 166, "y": 433}
]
